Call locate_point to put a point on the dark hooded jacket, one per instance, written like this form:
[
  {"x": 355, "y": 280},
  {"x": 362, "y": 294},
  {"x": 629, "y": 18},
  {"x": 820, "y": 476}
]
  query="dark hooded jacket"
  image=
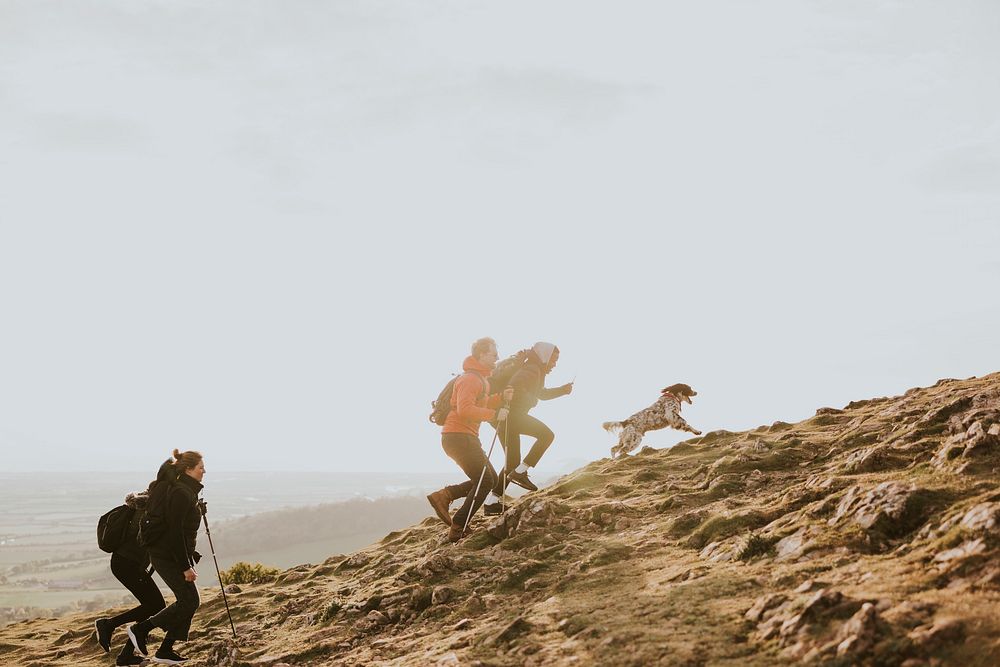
[
  {"x": 529, "y": 387},
  {"x": 175, "y": 498}
]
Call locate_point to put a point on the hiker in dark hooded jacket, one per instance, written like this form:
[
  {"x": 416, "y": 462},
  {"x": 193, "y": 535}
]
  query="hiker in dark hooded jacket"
[
  {"x": 529, "y": 387},
  {"x": 130, "y": 565},
  {"x": 174, "y": 502}
]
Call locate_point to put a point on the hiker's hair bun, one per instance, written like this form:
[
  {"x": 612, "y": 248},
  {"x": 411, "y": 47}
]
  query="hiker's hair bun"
[{"x": 186, "y": 460}]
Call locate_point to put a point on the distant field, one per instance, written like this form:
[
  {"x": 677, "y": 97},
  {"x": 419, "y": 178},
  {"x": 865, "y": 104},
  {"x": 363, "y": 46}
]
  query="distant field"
[{"x": 49, "y": 559}]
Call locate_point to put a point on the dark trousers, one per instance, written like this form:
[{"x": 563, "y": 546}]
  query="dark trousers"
[
  {"x": 136, "y": 579},
  {"x": 175, "y": 619},
  {"x": 467, "y": 452},
  {"x": 510, "y": 438}
]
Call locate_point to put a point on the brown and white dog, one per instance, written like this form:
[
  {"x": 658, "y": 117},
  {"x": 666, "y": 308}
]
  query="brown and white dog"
[{"x": 665, "y": 412}]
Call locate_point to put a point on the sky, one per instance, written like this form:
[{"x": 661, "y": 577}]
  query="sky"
[{"x": 270, "y": 230}]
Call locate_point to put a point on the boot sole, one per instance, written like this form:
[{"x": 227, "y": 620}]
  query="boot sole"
[
  {"x": 443, "y": 515},
  {"x": 168, "y": 661},
  {"x": 527, "y": 487}
]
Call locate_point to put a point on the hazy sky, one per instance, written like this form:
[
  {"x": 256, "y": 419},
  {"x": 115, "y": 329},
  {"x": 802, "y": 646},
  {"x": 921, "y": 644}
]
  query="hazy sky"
[{"x": 270, "y": 230}]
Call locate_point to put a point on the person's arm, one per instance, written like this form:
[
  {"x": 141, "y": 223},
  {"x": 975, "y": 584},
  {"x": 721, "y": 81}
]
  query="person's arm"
[
  {"x": 547, "y": 394},
  {"x": 467, "y": 390},
  {"x": 177, "y": 509}
]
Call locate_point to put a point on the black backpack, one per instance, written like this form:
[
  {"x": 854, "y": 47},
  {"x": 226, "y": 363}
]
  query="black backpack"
[
  {"x": 112, "y": 528},
  {"x": 153, "y": 524},
  {"x": 505, "y": 370},
  {"x": 441, "y": 407}
]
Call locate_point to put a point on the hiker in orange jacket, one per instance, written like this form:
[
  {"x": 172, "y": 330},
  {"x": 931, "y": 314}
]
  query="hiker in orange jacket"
[{"x": 471, "y": 404}]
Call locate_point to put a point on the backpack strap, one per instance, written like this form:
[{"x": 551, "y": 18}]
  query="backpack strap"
[{"x": 486, "y": 385}]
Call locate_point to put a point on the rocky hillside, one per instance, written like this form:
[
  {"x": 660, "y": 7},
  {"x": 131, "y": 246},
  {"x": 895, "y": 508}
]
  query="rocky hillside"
[{"x": 868, "y": 535}]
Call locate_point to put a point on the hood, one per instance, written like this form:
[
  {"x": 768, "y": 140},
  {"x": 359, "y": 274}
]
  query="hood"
[
  {"x": 543, "y": 351},
  {"x": 471, "y": 364},
  {"x": 167, "y": 471},
  {"x": 137, "y": 500}
]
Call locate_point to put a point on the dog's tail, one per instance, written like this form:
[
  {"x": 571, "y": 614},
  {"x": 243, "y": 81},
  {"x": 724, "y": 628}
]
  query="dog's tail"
[{"x": 611, "y": 427}]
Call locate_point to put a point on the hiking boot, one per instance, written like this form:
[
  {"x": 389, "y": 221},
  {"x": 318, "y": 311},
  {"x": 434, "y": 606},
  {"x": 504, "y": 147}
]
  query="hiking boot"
[
  {"x": 440, "y": 500},
  {"x": 123, "y": 660},
  {"x": 103, "y": 630},
  {"x": 521, "y": 479},
  {"x": 494, "y": 509},
  {"x": 168, "y": 657},
  {"x": 138, "y": 638}
]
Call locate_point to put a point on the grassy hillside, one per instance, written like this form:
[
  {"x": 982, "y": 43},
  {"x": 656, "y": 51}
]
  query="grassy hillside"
[{"x": 867, "y": 535}]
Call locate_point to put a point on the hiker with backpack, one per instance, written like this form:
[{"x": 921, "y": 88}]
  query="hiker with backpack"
[
  {"x": 169, "y": 530},
  {"x": 528, "y": 384},
  {"x": 470, "y": 404},
  {"x": 117, "y": 531}
]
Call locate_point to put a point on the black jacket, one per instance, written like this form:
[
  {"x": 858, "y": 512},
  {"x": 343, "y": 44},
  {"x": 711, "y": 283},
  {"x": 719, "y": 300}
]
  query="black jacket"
[
  {"x": 529, "y": 387},
  {"x": 177, "y": 503}
]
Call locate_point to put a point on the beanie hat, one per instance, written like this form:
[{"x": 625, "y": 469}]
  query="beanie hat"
[{"x": 543, "y": 351}]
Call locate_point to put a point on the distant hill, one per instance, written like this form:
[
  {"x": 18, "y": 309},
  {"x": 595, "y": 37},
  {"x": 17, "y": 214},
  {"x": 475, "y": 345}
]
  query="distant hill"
[{"x": 868, "y": 535}]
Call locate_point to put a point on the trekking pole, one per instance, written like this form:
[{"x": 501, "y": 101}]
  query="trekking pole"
[
  {"x": 503, "y": 487},
  {"x": 222, "y": 585},
  {"x": 468, "y": 517}
]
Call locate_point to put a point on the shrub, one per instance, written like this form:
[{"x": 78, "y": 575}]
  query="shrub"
[
  {"x": 246, "y": 573},
  {"x": 331, "y": 610},
  {"x": 756, "y": 545}
]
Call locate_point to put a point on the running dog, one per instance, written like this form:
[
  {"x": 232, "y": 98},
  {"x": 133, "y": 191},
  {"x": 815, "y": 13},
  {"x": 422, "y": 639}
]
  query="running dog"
[{"x": 665, "y": 412}]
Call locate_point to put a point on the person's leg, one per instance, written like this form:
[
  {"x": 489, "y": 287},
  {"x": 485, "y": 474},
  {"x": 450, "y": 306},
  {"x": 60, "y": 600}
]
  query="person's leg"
[
  {"x": 134, "y": 577},
  {"x": 467, "y": 452},
  {"x": 510, "y": 439},
  {"x": 176, "y": 618},
  {"x": 543, "y": 438},
  {"x": 137, "y": 580}
]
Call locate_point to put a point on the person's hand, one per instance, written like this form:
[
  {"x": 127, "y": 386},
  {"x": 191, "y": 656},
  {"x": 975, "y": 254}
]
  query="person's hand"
[
  {"x": 202, "y": 506},
  {"x": 508, "y": 394},
  {"x": 190, "y": 575},
  {"x": 502, "y": 414}
]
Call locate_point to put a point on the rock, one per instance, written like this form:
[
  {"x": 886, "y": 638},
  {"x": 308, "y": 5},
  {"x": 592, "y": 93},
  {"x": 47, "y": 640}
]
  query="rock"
[
  {"x": 473, "y": 606},
  {"x": 822, "y": 601},
  {"x": 971, "y": 548},
  {"x": 442, "y": 594},
  {"x": 984, "y": 517},
  {"x": 869, "y": 459},
  {"x": 887, "y": 510},
  {"x": 376, "y": 618},
  {"x": 232, "y": 589},
  {"x": 945, "y": 631},
  {"x": 505, "y": 525},
  {"x": 435, "y": 564},
  {"x": 857, "y": 636},
  {"x": 515, "y": 629},
  {"x": 421, "y": 598},
  {"x": 810, "y": 585},
  {"x": 795, "y": 545},
  {"x": 462, "y": 624},
  {"x": 762, "y": 605}
]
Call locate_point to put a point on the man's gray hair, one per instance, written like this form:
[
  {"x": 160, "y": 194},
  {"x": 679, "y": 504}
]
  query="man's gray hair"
[{"x": 482, "y": 345}]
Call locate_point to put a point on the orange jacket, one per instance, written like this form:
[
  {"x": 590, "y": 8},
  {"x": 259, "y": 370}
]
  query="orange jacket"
[{"x": 470, "y": 403}]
